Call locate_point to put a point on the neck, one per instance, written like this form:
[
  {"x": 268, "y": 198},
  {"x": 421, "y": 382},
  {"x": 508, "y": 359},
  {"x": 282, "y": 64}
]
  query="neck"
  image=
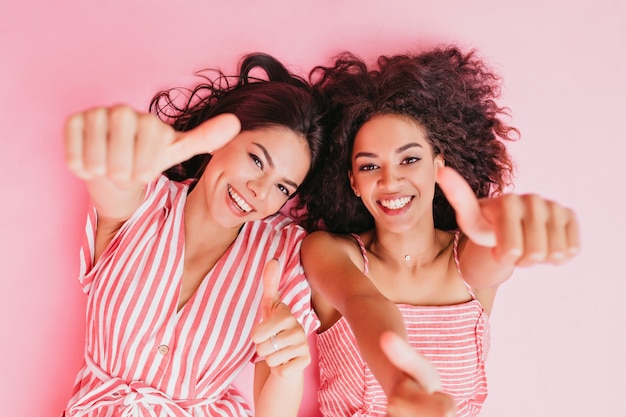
[
  {"x": 202, "y": 233},
  {"x": 409, "y": 248}
]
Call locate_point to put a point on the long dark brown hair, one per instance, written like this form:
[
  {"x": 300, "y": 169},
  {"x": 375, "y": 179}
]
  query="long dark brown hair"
[
  {"x": 450, "y": 93},
  {"x": 280, "y": 98}
]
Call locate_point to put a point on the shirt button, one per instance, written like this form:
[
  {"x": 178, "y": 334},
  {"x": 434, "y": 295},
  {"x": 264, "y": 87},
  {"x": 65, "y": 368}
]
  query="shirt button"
[{"x": 163, "y": 349}]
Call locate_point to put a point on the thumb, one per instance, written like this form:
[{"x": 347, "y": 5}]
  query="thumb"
[
  {"x": 406, "y": 359},
  {"x": 206, "y": 138},
  {"x": 271, "y": 278},
  {"x": 468, "y": 211}
]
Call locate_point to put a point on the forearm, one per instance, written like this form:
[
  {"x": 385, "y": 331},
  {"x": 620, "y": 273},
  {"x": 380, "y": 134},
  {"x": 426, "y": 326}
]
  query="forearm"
[
  {"x": 370, "y": 316},
  {"x": 113, "y": 207},
  {"x": 280, "y": 396},
  {"x": 113, "y": 203}
]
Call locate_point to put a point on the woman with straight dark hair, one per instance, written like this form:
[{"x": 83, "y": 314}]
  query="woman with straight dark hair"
[{"x": 194, "y": 274}]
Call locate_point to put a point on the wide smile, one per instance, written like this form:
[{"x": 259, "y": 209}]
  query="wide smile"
[
  {"x": 239, "y": 201},
  {"x": 396, "y": 203}
]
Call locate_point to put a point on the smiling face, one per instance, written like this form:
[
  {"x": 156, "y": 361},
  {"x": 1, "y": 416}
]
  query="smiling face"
[
  {"x": 394, "y": 171},
  {"x": 253, "y": 175}
]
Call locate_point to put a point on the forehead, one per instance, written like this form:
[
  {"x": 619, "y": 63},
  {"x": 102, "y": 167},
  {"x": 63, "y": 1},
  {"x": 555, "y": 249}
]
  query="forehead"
[{"x": 390, "y": 130}]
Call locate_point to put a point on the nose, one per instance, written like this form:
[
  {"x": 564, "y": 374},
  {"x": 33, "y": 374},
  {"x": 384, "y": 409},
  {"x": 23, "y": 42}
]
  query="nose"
[
  {"x": 389, "y": 177},
  {"x": 259, "y": 187}
]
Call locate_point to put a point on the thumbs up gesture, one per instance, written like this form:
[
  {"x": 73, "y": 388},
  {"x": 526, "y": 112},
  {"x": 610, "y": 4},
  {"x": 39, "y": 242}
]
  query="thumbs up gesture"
[
  {"x": 129, "y": 148},
  {"x": 521, "y": 229},
  {"x": 279, "y": 337},
  {"x": 418, "y": 395}
]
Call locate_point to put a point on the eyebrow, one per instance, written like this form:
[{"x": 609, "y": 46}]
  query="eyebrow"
[
  {"x": 270, "y": 161},
  {"x": 399, "y": 150}
]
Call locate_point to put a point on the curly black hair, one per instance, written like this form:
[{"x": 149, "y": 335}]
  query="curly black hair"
[
  {"x": 450, "y": 93},
  {"x": 280, "y": 98}
]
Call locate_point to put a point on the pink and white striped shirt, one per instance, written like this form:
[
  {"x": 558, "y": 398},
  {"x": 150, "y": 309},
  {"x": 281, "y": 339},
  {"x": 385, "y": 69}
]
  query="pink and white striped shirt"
[
  {"x": 455, "y": 338},
  {"x": 145, "y": 358}
]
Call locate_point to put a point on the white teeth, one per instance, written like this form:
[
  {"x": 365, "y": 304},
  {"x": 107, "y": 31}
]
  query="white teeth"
[
  {"x": 239, "y": 201},
  {"x": 395, "y": 204}
]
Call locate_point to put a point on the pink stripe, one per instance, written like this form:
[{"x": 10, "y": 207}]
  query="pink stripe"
[
  {"x": 133, "y": 296},
  {"x": 450, "y": 336}
]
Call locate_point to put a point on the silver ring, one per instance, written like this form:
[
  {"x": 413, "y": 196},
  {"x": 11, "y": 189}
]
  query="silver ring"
[{"x": 273, "y": 342}]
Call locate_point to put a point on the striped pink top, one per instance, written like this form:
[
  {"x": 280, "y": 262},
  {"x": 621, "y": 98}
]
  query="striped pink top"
[
  {"x": 455, "y": 338},
  {"x": 142, "y": 357}
]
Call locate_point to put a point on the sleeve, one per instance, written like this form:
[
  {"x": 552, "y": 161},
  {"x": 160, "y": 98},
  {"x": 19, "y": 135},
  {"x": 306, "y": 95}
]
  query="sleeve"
[
  {"x": 87, "y": 269},
  {"x": 294, "y": 288}
]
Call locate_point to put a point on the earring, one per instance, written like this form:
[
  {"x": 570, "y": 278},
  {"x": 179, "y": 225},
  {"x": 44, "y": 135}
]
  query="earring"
[{"x": 356, "y": 193}]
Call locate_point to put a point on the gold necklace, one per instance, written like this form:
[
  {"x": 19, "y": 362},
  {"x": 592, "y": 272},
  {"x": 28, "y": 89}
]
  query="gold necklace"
[{"x": 406, "y": 257}]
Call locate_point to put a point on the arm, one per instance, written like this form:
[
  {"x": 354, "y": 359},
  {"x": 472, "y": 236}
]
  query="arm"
[
  {"x": 507, "y": 231},
  {"x": 282, "y": 342},
  {"x": 418, "y": 395},
  {"x": 117, "y": 151},
  {"x": 276, "y": 395},
  {"x": 339, "y": 284}
]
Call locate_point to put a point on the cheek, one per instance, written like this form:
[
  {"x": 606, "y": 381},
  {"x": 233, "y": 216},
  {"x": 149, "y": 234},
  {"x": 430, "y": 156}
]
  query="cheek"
[
  {"x": 365, "y": 182},
  {"x": 274, "y": 204}
]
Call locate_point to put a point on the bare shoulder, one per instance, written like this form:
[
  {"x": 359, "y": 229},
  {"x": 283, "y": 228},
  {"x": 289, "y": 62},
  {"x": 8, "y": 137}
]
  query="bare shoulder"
[
  {"x": 333, "y": 264},
  {"x": 325, "y": 254},
  {"x": 327, "y": 241}
]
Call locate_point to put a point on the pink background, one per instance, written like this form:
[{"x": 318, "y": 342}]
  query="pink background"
[{"x": 558, "y": 333}]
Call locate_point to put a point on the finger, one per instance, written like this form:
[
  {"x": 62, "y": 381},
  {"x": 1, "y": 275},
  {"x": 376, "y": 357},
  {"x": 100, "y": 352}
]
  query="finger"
[
  {"x": 152, "y": 138},
  {"x": 556, "y": 234},
  {"x": 95, "y": 143},
  {"x": 573, "y": 235},
  {"x": 506, "y": 214},
  {"x": 468, "y": 211},
  {"x": 538, "y": 212},
  {"x": 563, "y": 234},
  {"x": 287, "y": 354},
  {"x": 281, "y": 321},
  {"x": 74, "y": 137},
  {"x": 276, "y": 340},
  {"x": 209, "y": 136},
  {"x": 271, "y": 278},
  {"x": 121, "y": 144},
  {"x": 296, "y": 365},
  {"x": 405, "y": 358}
]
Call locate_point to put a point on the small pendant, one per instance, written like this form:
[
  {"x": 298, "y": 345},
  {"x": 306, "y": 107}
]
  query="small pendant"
[{"x": 407, "y": 258}]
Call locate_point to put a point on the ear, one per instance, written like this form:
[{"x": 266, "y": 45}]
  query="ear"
[
  {"x": 352, "y": 184},
  {"x": 440, "y": 162}
]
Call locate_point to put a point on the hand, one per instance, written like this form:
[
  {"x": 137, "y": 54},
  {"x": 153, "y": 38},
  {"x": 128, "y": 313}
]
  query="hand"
[
  {"x": 130, "y": 148},
  {"x": 279, "y": 337},
  {"x": 522, "y": 229},
  {"x": 418, "y": 395}
]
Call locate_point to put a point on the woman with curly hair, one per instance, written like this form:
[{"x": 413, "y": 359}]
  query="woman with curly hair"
[
  {"x": 418, "y": 231},
  {"x": 173, "y": 265}
]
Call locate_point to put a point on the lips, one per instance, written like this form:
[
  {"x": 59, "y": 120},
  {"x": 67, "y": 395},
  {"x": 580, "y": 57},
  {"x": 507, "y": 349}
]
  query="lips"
[
  {"x": 396, "y": 203},
  {"x": 239, "y": 201}
]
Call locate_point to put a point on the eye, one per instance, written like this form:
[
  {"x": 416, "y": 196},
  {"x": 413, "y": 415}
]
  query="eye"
[
  {"x": 368, "y": 167},
  {"x": 256, "y": 160},
  {"x": 410, "y": 160},
  {"x": 284, "y": 190}
]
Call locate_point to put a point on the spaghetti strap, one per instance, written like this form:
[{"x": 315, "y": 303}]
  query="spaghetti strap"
[
  {"x": 363, "y": 252},
  {"x": 457, "y": 235}
]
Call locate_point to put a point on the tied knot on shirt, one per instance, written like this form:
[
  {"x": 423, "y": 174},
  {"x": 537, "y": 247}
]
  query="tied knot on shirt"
[
  {"x": 138, "y": 395},
  {"x": 136, "y": 398}
]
